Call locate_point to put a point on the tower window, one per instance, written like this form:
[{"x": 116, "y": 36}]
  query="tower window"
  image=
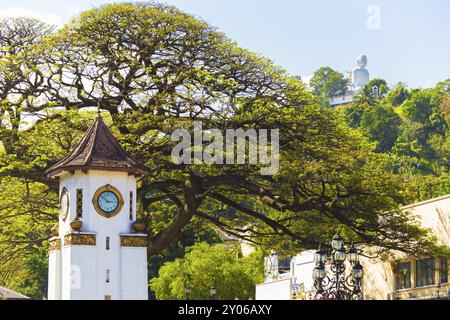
[
  {"x": 131, "y": 205},
  {"x": 79, "y": 203},
  {"x": 107, "y": 243},
  {"x": 107, "y": 276}
]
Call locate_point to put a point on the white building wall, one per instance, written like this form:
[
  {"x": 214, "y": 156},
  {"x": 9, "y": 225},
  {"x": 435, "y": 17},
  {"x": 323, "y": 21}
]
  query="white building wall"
[
  {"x": 302, "y": 267},
  {"x": 279, "y": 286},
  {"x": 343, "y": 99},
  {"x": 379, "y": 278},
  {"x": 54, "y": 275},
  {"x": 275, "y": 290},
  {"x": 134, "y": 273},
  {"x": 79, "y": 265},
  {"x": 271, "y": 267}
]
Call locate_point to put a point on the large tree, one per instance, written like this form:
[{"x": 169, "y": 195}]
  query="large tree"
[
  {"x": 397, "y": 95},
  {"x": 328, "y": 82},
  {"x": 155, "y": 69},
  {"x": 205, "y": 266},
  {"x": 381, "y": 124}
]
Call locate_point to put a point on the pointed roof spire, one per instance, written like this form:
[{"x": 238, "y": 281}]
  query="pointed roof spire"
[{"x": 98, "y": 150}]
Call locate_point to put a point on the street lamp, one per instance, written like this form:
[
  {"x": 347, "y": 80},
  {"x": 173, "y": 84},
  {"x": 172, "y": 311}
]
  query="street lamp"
[
  {"x": 334, "y": 282},
  {"x": 357, "y": 272},
  {"x": 320, "y": 255},
  {"x": 339, "y": 255},
  {"x": 353, "y": 256},
  {"x": 212, "y": 292},
  {"x": 187, "y": 291},
  {"x": 438, "y": 291},
  {"x": 319, "y": 272},
  {"x": 337, "y": 242}
]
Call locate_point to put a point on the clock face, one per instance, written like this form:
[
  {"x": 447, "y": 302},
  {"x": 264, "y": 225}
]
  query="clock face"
[
  {"x": 64, "y": 204},
  {"x": 108, "y": 201}
]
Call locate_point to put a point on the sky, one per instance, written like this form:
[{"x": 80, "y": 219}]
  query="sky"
[{"x": 404, "y": 40}]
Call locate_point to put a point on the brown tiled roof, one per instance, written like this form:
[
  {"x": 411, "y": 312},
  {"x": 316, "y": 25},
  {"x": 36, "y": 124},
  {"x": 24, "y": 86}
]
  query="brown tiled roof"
[{"x": 98, "y": 150}]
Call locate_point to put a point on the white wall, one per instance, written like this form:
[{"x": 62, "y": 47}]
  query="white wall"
[
  {"x": 134, "y": 273},
  {"x": 379, "y": 278},
  {"x": 276, "y": 290},
  {"x": 79, "y": 266},
  {"x": 54, "y": 275},
  {"x": 344, "y": 99},
  {"x": 301, "y": 270},
  {"x": 302, "y": 266}
]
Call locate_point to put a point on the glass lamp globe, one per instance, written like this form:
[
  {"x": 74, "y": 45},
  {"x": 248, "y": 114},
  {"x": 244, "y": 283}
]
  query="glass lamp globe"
[
  {"x": 319, "y": 272},
  {"x": 339, "y": 256},
  {"x": 320, "y": 255},
  {"x": 357, "y": 271},
  {"x": 353, "y": 254},
  {"x": 317, "y": 256},
  {"x": 337, "y": 242},
  {"x": 187, "y": 289}
]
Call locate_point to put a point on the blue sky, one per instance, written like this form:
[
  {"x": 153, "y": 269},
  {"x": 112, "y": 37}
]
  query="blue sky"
[{"x": 404, "y": 40}]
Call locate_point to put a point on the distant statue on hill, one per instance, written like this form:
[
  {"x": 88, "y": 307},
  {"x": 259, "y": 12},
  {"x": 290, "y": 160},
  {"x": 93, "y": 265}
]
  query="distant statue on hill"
[{"x": 360, "y": 75}]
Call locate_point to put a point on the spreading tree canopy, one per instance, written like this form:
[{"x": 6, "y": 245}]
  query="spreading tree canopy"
[
  {"x": 205, "y": 267},
  {"x": 155, "y": 69},
  {"x": 328, "y": 82}
]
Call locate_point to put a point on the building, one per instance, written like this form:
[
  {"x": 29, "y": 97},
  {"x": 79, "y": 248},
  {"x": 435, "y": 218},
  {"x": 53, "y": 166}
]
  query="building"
[
  {"x": 98, "y": 250},
  {"x": 6, "y": 294},
  {"x": 346, "y": 98},
  {"x": 291, "y": 279},
  {"x": 404, "y": 277},
  {"x": 408, "y": 277}
]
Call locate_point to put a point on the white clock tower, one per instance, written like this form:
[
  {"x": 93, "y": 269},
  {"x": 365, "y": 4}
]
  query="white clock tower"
[{"x": 98, "y": 251}]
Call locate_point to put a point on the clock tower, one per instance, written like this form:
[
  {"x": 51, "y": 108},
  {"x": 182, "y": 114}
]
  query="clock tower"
[{"x": 98, "y": 249}]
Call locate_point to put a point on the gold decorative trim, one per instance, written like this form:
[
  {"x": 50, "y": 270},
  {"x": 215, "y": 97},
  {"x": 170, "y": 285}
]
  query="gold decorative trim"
[
  {"x": 54, "y": 244},
  {"x": 97, "y": 195},
  {"x": 133, "y": 241},
  {"x": 76, "y": 224},
  {"x": 138, "y": 227},
  {"x": 55, "y": 230},
  {"x": 79, "y": 239}
]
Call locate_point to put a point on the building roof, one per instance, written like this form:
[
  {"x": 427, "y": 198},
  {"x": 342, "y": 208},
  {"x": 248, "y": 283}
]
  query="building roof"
[
  {"x": 98, "y": 150},
  {"x": 418, "y": 204},
  {"x": 11, "y": 295}
]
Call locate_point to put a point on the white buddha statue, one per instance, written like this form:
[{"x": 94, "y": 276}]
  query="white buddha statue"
[{"x": 360, "y": 76}]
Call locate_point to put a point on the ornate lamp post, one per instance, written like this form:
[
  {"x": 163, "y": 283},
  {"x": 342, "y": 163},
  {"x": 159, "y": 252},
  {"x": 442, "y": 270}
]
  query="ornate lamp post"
[
  {"x": 212, "y": 293},
  {"x": 337, "y": 284},
  {"x": 187, "y": 291}
]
